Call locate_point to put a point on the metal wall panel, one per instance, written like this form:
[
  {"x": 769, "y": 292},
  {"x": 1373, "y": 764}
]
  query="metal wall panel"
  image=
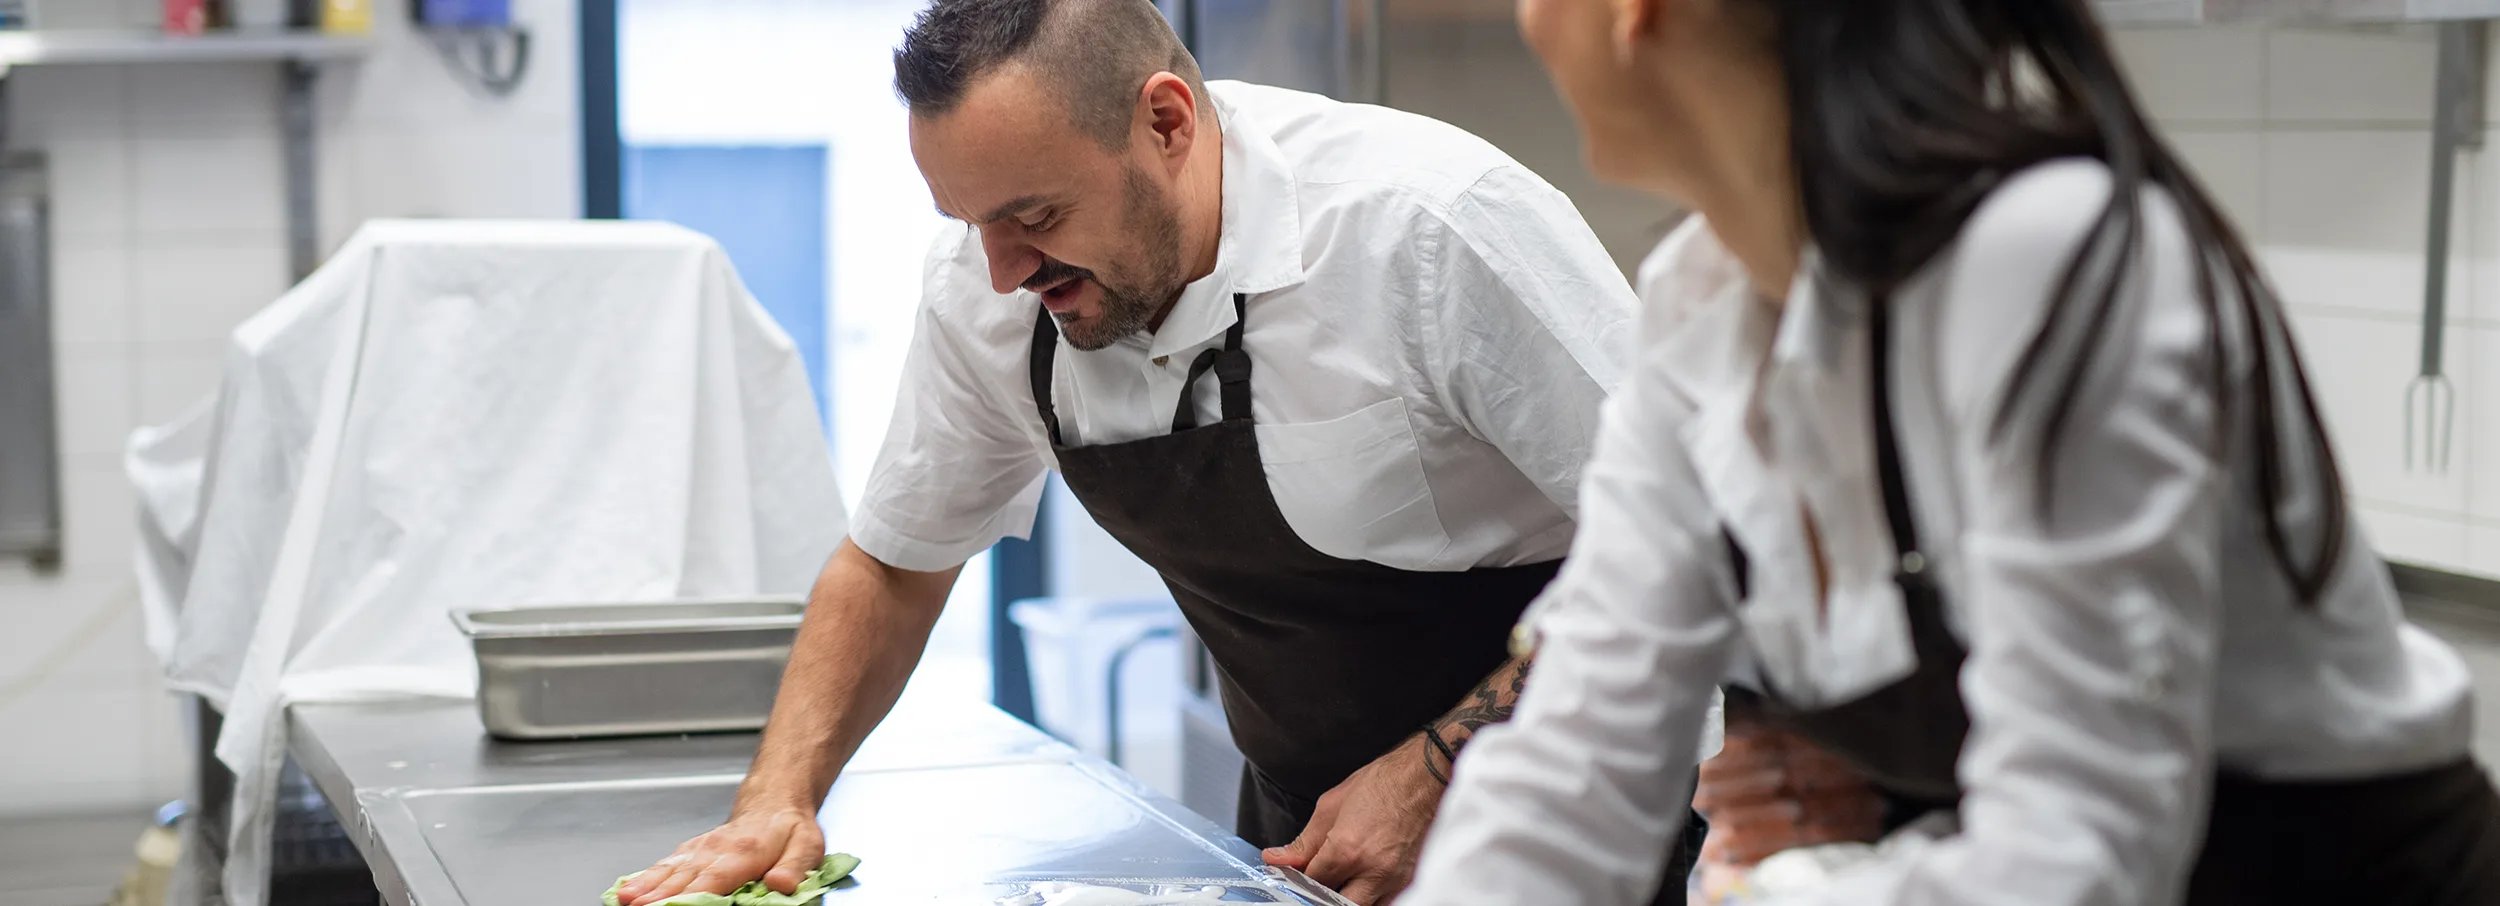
[
  {"x": 30, "y": 505},
  {"x": 1464, "y": 63},
  {"x": 1299, "y": 44},
  {"x": 1458, "y": 61}
]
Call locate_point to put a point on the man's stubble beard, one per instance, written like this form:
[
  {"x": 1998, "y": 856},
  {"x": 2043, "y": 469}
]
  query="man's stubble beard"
[{"x": 1133, "y": 298}]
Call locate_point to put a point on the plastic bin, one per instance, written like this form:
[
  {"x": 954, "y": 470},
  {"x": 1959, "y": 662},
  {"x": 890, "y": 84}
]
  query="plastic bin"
[{"x": 1070, "y": 644}]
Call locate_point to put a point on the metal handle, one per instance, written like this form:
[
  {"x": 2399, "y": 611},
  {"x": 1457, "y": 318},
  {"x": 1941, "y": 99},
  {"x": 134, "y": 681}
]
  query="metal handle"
[
  {"x": 30, "y": 478},
  {"x": 2456, "y": 124},
  {"x": 1111, "y": 689}
]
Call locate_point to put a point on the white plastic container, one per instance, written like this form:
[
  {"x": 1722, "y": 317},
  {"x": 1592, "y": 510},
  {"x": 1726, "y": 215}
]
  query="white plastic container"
[{"x": 1069, "y": 644}]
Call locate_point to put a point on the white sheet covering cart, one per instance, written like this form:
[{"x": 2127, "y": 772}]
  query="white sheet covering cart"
[{"x": 454, "y": 414}]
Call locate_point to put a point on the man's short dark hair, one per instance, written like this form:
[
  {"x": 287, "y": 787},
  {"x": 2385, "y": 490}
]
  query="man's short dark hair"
[{"x": 1095, "y": 54}]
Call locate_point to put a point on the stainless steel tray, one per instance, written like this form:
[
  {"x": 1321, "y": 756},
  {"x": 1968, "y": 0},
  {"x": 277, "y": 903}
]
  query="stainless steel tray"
[{"x": 572, "y": 671}]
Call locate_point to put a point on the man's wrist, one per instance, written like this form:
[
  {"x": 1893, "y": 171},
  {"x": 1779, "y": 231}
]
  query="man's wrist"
[
  {"x": 1439, "y": 756},
  {"x": 758, "y": 795}
]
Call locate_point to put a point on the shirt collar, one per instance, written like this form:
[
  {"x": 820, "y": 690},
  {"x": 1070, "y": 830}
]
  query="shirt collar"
[
  {"x": 1818, "y": 318},
  {"x": 1259, "y": 248}
]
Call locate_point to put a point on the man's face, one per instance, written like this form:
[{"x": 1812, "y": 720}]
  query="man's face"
[{"x": 1094, "y": 231}]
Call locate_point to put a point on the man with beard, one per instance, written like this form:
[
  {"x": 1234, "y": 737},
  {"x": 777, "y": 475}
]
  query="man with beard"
[{"x": 1331, "y": 369}]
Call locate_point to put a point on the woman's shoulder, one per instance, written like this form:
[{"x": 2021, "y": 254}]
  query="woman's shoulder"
[
  {"x": 1999, "y": 279},
  {"x": 2020, "y": 240},
  {"x": 1683, "y": 275}
]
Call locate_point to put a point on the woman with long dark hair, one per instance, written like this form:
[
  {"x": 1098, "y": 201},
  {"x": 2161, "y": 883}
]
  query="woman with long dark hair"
[{"x": 1967, "y": 441}]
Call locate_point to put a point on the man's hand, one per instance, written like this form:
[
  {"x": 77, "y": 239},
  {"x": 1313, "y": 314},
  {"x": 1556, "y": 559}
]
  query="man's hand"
[
  {"x": 779, "y": 845},
  {"x": 865, "y": 627},
  {"x": 1365, "y": 834}
]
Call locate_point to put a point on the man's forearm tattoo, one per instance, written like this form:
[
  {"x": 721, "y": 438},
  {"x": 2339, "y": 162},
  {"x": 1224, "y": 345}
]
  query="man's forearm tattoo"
[{"x": 1491, "y": 702}]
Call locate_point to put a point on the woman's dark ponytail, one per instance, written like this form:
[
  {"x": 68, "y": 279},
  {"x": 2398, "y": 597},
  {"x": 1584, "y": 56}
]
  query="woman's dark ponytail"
[{"x": 1906, "y": 114}]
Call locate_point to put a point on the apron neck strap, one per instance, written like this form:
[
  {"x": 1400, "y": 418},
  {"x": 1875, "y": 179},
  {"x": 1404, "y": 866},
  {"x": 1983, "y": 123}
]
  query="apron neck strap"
[
  {"x": 1887, "y": 444},
  {"x": 1230, "y": 363},
  {"x": 1045, "y": 353}
]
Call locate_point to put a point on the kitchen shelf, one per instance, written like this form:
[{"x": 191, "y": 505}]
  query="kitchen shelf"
[
  {"x": 38, "y": 47},
  {"x": 2150, "y": 12},
  {"x": 2123, "y": 13},
  {"x": 2412, "y": 10},
  {"x": 299, "y": 52}
]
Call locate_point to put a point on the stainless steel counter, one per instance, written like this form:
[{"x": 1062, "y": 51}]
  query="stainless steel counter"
[{"x": 946, "y": 803}]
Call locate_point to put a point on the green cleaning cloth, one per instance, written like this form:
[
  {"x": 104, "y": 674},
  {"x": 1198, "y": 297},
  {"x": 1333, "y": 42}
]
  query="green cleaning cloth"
[{"x": 836, "y": 867}]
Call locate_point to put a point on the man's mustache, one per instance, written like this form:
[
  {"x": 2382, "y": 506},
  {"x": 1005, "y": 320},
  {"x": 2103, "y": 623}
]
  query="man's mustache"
[{"x": 1053, "y": 273}]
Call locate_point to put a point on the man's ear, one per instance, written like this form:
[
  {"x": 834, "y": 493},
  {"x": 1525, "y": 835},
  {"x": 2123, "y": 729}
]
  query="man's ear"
[{"x": 1168, "y": 110}]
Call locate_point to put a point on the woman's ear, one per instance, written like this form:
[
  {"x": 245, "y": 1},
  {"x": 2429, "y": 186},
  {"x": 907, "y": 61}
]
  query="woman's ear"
[{"x": 1634, "y": 21}]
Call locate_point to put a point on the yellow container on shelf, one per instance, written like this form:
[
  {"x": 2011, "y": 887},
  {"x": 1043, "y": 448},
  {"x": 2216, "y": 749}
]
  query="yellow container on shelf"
[{"x": 347, "y": 17}]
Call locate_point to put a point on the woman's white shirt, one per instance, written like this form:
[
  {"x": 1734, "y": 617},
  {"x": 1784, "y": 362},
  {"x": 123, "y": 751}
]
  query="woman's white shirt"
[{"x": 2118, "y": 654}]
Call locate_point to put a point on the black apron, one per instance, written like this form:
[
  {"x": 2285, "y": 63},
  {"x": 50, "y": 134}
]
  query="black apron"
[
  {"x": 1325, "y": 664},
  {"x": 2421, "y": 838}
]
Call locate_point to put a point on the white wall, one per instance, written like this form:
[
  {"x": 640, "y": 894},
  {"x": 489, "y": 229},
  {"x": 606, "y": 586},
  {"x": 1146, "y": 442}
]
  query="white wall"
[
  {"x": 169, "y": 230},
  {"x": 2318, "y": 141}
]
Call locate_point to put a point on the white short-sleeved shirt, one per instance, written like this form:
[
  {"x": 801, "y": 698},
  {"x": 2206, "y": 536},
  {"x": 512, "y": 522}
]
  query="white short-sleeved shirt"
[
  {"x": 1432, "y": 330},
  {"x": 2119, "y": 653}
]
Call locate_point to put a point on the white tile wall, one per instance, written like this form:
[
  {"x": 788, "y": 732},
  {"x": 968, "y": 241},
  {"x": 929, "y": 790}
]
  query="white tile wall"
[
  {"x": 2478, "y": 429},
  {"x": 90, "y": 182},
  {"x": 90, "y": 291},
  {"x": 63, "y": 611},
  {"x": 2340, "y": 120},
  {"x": 173, "y": 377},
  {"x": 193, "y": 290},
  {"x": 77, "y": 747},
  {"x": 2348, "y": 191},
  {"x": 2380, "y": 284},
  {"x": 94, "y": 401},
  {"x": 99, "y": 518},
  {"x": 2213, "y": 74},
  {"x": 204, "y": 100},
  {"x": 2232, "y": 166},
  {"x": 209, "y": 184},
  {"x": 2414, "y": 538},
  {"x": 477, "y": 175},
  {"x": 2340, "y": 75},
  {"x": 169, "y": 231}
]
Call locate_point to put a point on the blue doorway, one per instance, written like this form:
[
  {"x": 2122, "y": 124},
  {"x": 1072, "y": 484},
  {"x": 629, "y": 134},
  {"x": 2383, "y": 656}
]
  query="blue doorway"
[{"x": 766, "y": 205}]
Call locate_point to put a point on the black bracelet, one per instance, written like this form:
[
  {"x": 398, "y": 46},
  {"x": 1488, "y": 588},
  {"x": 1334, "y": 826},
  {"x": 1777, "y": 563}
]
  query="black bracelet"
[{"x": 1433, "y": 735}]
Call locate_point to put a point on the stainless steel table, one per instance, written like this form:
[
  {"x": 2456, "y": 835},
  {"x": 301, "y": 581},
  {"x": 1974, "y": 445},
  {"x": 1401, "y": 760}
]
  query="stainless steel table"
[{"x": 946, "y": 803}]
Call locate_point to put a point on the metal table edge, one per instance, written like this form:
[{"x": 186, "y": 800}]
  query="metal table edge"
[
  {"x": 380, "y": 825},
  {"x": 389, "y": 836}
]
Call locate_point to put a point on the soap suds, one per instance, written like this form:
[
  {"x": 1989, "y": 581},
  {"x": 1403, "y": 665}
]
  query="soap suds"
[{"x": 1057, "y": 894}]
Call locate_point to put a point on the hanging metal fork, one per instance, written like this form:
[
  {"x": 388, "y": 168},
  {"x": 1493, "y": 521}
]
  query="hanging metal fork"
[{"x": 2456, "y": 124}]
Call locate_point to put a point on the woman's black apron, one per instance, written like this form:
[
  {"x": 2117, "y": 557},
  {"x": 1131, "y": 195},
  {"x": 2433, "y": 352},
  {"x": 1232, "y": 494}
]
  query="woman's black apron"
[
  {"x": 2422, "y": 838},
  {"x": 1325, "y": 663}
]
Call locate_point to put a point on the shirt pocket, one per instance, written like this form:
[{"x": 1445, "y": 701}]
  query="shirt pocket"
[{"x": 1354, "y": 488}]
